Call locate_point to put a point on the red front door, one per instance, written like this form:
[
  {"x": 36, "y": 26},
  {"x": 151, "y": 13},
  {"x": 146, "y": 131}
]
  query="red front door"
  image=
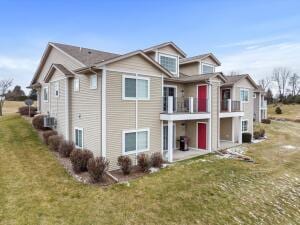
[
  {"x": 202, "y": 96},
  {"x": 202, "y": 135}
]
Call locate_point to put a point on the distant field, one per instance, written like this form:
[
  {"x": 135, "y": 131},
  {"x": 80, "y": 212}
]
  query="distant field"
[
  {"x": 288, "y": 111},
  {"x": 11, "y": 107}
]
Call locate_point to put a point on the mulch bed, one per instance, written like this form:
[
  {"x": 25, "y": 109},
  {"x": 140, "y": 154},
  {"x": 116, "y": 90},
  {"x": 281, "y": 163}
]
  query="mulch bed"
[
  {"x": 135, "y": 173},
  {"x": 84, "y": 177}
]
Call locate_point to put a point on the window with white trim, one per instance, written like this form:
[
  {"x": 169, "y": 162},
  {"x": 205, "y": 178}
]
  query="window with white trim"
[
  {"x": 207, "y": 68},
  {"x": 56, "y": 89},
  {"x": 93, "y": 81},
  {"x": 78, "y": 137},
  {"x": 135, "y": 141},
  {"x": 169, "y": 62},
  {"x": 254, "y": 95},
  {"x": 45, "y": 93},
  {"x": 244, "y": 95},
  {"x": 244, "y": 125},
  {"x": 76, "y": 84},
  {"x": 135, "y": 88}
]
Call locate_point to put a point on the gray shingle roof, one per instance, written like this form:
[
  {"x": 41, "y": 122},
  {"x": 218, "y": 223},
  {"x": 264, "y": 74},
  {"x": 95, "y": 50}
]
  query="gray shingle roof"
[
  {"x": 194, "y": 57},
  {"x": 232, "y": 79},
  {"x": 85, "y": 55}
]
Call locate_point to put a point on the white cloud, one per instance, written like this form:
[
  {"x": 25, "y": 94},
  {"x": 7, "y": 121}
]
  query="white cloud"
[
  {"x": 19, "y": 69},
  {"x": 259, "y": 61}
]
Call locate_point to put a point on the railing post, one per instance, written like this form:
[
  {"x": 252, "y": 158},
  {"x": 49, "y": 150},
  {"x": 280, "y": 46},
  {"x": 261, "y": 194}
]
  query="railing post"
[
  {"x": 241, "y": 106},
  {"x": 191, "y": 104},
  {"x": 170, "y": 104},
  {"x": 229, "y": 105}
]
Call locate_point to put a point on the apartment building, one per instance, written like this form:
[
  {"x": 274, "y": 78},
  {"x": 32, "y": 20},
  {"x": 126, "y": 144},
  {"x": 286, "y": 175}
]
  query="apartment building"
[{"x": 143, "y": 101}]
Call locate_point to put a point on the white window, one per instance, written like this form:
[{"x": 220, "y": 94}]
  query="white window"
[
  {"x": 56, "y": 89},
  {"x": 244, "y": 125},
  {"x": 207, "y": 68},
  {"x": 76, "y": 84},
  {"x": 78, "y": 137},
  {"x": 135, "y": 88},
  {"x": 45, "y": 94},
  {"x": 135, "y": 141},
  {"x": 244, "y": 95},
  {"x": 169, "y": 62},
  {"x": 254, "y": 95},
  {"x": 93, "y": 81}
]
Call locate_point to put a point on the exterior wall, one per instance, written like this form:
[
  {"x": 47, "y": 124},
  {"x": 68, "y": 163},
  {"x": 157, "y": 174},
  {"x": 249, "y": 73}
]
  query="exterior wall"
[
  {"x": 226, "y": 129},
  {"x": 168, "y": 50},
  {"x": 208, "y": 60},
  {"x": 85, "y": 112},
  {"x": 256, "y": 107},
  {"x": 54, "y": 56},
  {"x": 190, "y": 68},
  {"x": 215, "y": 109},
  {"x": 130, "y": 115},
  {"x": 57, "y": 103},
  {"x": 247, "y": 106},
  {"x": 179, "y": 88}
]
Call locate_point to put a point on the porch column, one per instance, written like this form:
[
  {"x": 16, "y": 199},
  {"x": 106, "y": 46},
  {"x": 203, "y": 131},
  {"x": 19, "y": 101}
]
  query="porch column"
[
  {"x": 170, "y": 140},
  {"x": 170, "y": 104},
  {"x": 259, "y": 107},
  {"x": 229, "y": 105},
  {"x": 191, "y": 104},
  {"x": 232, "y": 129},
  {"x": 240, "y": 129}
]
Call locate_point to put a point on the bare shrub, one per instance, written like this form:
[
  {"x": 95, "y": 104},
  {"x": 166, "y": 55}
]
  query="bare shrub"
[
  {"x": 125, "y": 164},
  {"x": 79, "y": 159},
  {"x": 65, "y": 148},
  {"x": 144, "y": 162},
  {"x": 97, "y": 167},
  {"x": 38, "y": 122},
  {"x": 54, "y": 142},
  {"x": 157, "y": 160},
  {"x": 47, "y": 134}
]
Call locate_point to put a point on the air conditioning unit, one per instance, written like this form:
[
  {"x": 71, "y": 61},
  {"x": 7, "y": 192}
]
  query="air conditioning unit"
[{"x": 49, "y": 122}]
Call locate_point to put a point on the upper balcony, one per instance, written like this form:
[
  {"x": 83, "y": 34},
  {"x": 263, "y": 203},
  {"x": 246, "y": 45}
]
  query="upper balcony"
[
  {"x": 188, "y": 108},
  {"x": 231, "y": 108}
]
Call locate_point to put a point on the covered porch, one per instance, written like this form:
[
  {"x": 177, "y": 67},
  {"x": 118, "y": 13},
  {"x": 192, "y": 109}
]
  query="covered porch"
[
  {"x": 230, "y": 132},
  {"x": 185, "y": 139}
]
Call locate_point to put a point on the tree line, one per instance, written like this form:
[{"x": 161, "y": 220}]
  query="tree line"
[{"x": 285, "y": 82}]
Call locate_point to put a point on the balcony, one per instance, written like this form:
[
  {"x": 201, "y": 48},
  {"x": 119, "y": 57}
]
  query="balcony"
[
  {"x": 230, "y": 108},
  {"x": 174, "y": 108}
]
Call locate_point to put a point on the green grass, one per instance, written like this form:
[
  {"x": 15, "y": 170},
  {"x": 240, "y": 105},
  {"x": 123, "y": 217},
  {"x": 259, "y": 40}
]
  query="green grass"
[
  {"x": 35, "y": 189},
  {"x": 291, "y": 111}
]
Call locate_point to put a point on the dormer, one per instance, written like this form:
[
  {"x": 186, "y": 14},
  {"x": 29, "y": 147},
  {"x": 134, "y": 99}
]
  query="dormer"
[
  {"x": 168, "y": 55},
  {"x": 200, "y": 64}
]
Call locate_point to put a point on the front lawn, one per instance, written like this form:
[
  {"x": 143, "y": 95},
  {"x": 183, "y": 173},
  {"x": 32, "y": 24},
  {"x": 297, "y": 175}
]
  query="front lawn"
[
  {"x": 291, "y": 111},
  {"x": 35, "y": 189}
]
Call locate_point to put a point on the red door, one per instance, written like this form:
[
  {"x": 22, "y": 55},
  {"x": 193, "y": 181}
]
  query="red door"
[
  {"x": 202, "y": 96},
  {"x": 202, "y": 135}
]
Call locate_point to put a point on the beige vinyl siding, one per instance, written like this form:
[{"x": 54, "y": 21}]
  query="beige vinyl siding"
[
  {"x": 209, "y": 60},
  {"x": 55, "y": 56},
  {"x": 178, "y": 86},
  {"x": 215, "y": 120},
  {"x": 57, "y": 103},
  {"x": 85, "y": 113},
  {"x": 135, "y": 64},
  {"x": 190, "y": 68},
  {"x": 226, "y": 129},
  {"x": 248, "y": 107},
  {"x": 256, "y": 106},
  {"x": 121, "y": 115},
  {"x": 169, "y": 50}
]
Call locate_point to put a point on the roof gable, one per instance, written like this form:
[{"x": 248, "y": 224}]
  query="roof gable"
[
  {"x": 200, "y": 57},
  {"x": 61, "y": 68},
  {"x": 170, "y": 43},
  {"x": 232, "y": 80}
]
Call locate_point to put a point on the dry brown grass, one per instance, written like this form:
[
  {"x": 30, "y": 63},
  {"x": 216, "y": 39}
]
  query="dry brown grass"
[
  {"x": 291, "y": 111},
  {"x": 11, "y": 107}
]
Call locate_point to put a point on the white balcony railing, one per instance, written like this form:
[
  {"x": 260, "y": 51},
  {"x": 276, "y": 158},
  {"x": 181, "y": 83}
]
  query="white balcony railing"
[
  {"x": 184, "y": 105},
  {"x": 229, "y": 105}
]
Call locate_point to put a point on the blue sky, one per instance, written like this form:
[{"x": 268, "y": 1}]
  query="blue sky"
[{"x": 247, "y": 36}]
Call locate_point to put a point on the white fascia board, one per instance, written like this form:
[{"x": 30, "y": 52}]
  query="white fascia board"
[
  {"x": 231, "y": 114},
  {"x": 177, "y": 117}
]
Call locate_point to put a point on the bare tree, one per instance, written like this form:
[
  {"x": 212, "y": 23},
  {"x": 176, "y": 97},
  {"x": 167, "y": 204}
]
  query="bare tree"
[
  {"x": 294, "y": 82},
  {"x": 280, "y": 77},
  {"x": 4, "y": 86},
  {"x": 233, "y": 73},
  {"x": 265, "y": 83}
]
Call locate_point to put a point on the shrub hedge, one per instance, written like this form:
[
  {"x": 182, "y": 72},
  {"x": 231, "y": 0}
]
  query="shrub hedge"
[
  {"x": 65, "y": 148},
  {"x": 97, "y": 167},
  {"x": 47, "y": 134},
  {"x": 144, "y": 162},
  {"x": 24, "y": 111},
  {"x": 266, "y": 121},
  {"x": 54, "y": 142},
  {"x": 38, "y": 122},
  {"x": 79, "y": 159},
  {"x": 125, "y": 164},
  {"x": 157, "y": 160}
]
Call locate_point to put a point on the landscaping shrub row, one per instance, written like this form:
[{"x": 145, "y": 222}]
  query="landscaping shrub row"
[
  {"x": 83, "y": 160},
  {"x": 24, "y": 111}
]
